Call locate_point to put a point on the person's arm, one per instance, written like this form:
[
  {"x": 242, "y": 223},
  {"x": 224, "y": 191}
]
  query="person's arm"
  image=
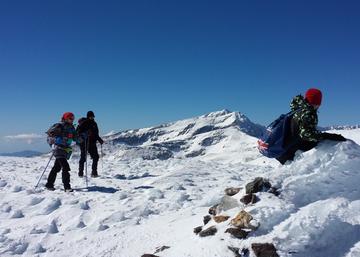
[
  {"x": 307, "y": 127},
  {"x": 98, "y": 138},
  {"x": 333, "y": 137}
]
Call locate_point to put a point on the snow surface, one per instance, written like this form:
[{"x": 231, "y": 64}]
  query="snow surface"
[{"x": 152, "y": 193}]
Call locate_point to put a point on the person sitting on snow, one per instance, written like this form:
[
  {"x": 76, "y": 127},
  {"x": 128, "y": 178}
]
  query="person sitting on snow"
[{"x": 303, "y": 134}]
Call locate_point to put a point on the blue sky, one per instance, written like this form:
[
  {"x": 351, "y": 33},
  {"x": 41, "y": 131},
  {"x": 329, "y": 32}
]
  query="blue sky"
[{"x": 142, "y": 63}]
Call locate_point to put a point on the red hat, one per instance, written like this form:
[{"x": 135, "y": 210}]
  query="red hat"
[
  {"x": 68, "y": 115},
  {"x": 313, "y": 96}
]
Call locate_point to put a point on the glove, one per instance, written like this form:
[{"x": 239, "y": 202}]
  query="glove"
[{"x": 333, "y": 137}]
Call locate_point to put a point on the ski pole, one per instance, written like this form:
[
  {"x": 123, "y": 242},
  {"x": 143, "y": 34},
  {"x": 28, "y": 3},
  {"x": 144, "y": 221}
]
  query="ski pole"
[
  {"x": 86, "y": 164},
  {"x": 102, "y": 159},
  {"x": 44, "y": 170}
]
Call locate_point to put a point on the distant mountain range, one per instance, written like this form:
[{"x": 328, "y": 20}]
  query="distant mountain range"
[{"x": 22, "y": 154}]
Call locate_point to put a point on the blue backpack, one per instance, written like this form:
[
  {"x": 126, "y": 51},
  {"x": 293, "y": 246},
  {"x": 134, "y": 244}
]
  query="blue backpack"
[{"x": 272, "y": 142}]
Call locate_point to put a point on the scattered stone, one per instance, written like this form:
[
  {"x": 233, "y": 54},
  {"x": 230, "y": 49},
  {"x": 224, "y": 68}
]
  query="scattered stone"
[
  {"x": 207, "y": 218},
  {"x": 237, "y": 232},
  {"x": 232, "y": 191},
  {"x": 208, "y": 232},
  {"x": 197, "y": 230},
  {"x": 235, "y": 250},
  {"x": 274, "y": 191},
  {"x": 227, "y": 203},
  {"x": 264, "y": 250},
  {"x": 244, "y": 252},
  {"x": 221, "y": 218},
  {"x": 249, "y": 198},
  {"x": 149, "y": 255},
  {"x": 244, "y": 220},
  {"x": 212, "y": 210},
  {"x": 161, "y": 249},
  {"x": 259, "y": 184}
]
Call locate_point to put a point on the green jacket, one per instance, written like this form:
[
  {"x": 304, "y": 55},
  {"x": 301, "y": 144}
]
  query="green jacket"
[{"x": 306, "y": 119}]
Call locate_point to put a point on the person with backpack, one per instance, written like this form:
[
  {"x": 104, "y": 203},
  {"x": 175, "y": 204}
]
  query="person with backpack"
[
  {"x": 60, "y": 137},
  {"x": 89, "y": 132},
  {"x": 296, "y": 130}
]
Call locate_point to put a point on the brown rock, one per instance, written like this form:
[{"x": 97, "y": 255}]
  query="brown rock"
[
  {"x": 221, "y": 218},
  {"x": 208, "y": 232},
  {"x": 264, "y": 250},
  {"x": 232, "y": 191},
  {"x": 237, "y": 232},
  {"x": 249, "y": 198},
  {"x": 206, "y": 219},
  {"x": 197, "y": 230},
  {"x": 242, "y": 220}
]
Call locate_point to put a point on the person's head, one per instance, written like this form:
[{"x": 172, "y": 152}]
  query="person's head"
[
  {"x": 68, "y": 117},
  {"x": 90, "y": 115},
  {"x": 313, "y": 96}
]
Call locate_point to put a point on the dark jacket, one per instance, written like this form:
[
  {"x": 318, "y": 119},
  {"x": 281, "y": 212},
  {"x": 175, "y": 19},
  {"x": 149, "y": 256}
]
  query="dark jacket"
[
  {"x": 61, "y": 135},
  {"x": 305, "y": 120},
  {"x": 88, "y": 129}
]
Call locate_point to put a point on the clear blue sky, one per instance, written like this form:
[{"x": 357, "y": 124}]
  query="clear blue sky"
[{"x": 142, "y": 63}]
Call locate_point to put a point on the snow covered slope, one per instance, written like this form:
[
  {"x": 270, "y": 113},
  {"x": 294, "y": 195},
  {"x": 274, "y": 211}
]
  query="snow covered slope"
[{"x": 138, "y": 205}]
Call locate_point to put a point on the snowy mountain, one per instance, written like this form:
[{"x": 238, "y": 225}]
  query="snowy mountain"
[
  {"x": 153, "y": 190},
  {"x": 194, "y": 137}
]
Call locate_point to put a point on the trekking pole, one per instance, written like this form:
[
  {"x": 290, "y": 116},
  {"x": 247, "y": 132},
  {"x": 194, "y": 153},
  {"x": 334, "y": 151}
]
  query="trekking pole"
[
  {"x": 44, "y": 170},
  {"x": 102, "y": 159},
  {"x": 86, "y": 164}
]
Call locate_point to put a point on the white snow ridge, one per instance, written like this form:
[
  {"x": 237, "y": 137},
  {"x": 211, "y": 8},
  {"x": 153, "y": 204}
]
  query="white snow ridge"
[{"x": 157, "y": 184}]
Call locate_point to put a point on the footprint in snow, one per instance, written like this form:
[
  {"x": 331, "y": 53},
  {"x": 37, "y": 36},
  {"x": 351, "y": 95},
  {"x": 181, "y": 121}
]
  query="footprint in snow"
[
  {"x": 81, "y": 224},
  {"x": 17, "y": 214},
  {"x": 3, "y": 183},
  {"x": 36, "y": 231},
  {"x": 39, "y": 249},
  {"x": 17, "y": 247},
  {"x": 84, "y": 205},
  {"x": 53, "y": 229},
  {"x": 36, "y": 200},
  {"x": 52, "y": 206}
]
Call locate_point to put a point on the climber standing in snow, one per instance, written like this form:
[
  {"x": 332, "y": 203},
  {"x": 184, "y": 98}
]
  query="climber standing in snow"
[
  {"x": 302, "y": 133},
  {"x": 88, "y": 131},
  {"x": 60, "y": 137}
]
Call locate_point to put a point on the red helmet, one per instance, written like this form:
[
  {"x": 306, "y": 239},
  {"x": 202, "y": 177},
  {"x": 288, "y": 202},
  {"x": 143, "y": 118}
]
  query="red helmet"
[
  {"x": 68, "y": 115},
  {"x": 313, "y": 96}
]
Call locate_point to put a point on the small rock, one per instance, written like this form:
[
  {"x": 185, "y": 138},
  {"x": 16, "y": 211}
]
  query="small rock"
[
  {"x": 264, "y": 250},
  {"x": 197, "y": 230},
  {"x": 244, "y": 220},
  {"x": 207, "y": 218},
  {"x": 235, "y": 250},
  {"x": 244, "y": 252},
  {"x": 232, "y": 191},
  {"x": 161, "y": 249},
  {"x": 212, "y": 210},
  {"x": 219, "y": 219},
  {"x": 208, "y": 232},
  {"x": 249, "y": 198},
  {"x": 257, "y": 185},
  {"x": 274, "y": 191},
  {"x": 237, "y": 232}
]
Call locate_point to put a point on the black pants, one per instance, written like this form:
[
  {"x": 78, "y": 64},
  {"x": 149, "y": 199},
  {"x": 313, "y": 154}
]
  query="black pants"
[
  {"x": 60, "y": 163},
  {"x": 93, "y": 151},
  {"x": 301, "y": 145}
]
